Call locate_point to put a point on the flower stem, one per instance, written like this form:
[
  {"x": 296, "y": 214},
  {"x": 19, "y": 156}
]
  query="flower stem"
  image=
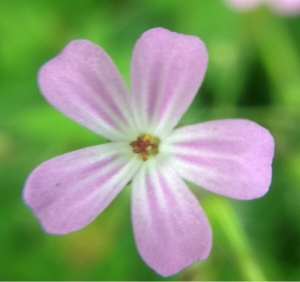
[{"x": 226, "y": 223}]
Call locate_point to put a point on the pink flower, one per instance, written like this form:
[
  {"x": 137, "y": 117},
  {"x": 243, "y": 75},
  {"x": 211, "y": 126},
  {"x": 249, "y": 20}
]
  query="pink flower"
[
  {"x": 284, "y": 7},
  {"x": 229, "y": 157}
]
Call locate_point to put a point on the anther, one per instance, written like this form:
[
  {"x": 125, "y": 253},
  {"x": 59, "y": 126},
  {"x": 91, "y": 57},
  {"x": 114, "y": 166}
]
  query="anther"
[
  {"x": 144, "y": 157},
  {"x": 145, "y": 145},
  {"x": 154, "y": 146},
  {"x": 137, "y": 150},
  {"x": 147, "y": 137}
]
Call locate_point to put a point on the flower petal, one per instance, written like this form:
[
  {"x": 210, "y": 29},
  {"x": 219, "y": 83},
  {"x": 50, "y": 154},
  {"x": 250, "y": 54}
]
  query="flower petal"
[
  {"x": 167, "y": 70},
  {"x": 68, "y": 192},
  {"x": 170, "y": 228},
  {"x": 285, "y": 7},
  {"x": 229, "y": 157},
  {"x": 84, "y": 84}
]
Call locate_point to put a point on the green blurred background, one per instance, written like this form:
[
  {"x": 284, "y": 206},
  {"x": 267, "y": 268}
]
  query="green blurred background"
[{"x": 253, "y": 72}]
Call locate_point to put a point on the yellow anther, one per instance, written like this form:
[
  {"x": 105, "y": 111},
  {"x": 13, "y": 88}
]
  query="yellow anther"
[
  {"x": 144, "y": 157},
  {"x": 147, "y": 137}
]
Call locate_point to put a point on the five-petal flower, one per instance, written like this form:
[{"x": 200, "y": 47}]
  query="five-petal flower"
[{"x": 229, "y": 157}]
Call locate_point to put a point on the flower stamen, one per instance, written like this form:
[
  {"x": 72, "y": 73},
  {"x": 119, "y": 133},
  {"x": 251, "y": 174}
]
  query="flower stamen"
[{"x": 145, "y": 145}]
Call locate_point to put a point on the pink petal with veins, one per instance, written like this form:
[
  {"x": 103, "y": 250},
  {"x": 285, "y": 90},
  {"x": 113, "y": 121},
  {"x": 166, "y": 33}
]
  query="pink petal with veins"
[
  {"x": 170, "y": 228},
  {"x": 84, "y": 84},
  {"x": 167, "y": 70},
  {"x": 229, "y": 157},
  {"x": 68, "y": 192}
]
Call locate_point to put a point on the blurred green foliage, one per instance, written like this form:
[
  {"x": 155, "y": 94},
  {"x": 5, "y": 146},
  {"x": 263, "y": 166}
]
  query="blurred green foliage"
[{"x": 253, "y": 72}]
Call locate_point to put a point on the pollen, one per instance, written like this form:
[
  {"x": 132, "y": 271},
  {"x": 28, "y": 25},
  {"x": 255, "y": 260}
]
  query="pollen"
[{"x": 145, "y": 145}]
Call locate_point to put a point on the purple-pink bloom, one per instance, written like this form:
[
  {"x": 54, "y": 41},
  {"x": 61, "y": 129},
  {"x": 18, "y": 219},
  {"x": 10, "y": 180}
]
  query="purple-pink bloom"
[
  {"x": 283, "y": 7},
  {"x": 230, "y": 157}
]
